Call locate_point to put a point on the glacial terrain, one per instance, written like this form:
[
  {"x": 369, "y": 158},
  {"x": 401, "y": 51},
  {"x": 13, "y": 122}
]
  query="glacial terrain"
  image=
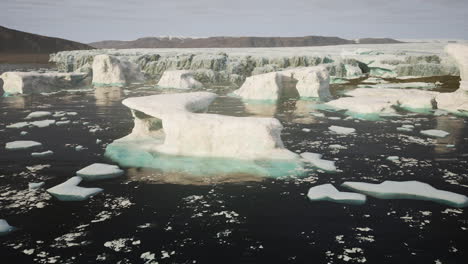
[{"x": 191, "y": 209}]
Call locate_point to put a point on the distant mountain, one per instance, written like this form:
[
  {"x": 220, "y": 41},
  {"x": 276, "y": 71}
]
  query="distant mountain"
[
  {"x": 18, "y": 42},
  {"x": 230, "y": 42}
]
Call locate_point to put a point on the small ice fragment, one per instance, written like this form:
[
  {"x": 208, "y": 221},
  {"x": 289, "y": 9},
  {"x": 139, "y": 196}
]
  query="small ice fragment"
[
  {"x": 393, "y": 158},
  {"x": 5, "y": 228},
  {"x": 38, "y": 114},
  {"x": 327, "y": 192},
  {"x": 69, "y": 191},
  {"x": 342, "y": 130},
  {"x": 18, "y": 125},
  {"x": 42, "y": 154},
  {"x": 42, "y": 123},
  {"x": 316, "y": 160},
  {"x": 337, "y": 146},
  {"x": 35, "y": 185},
  {"x": 408, "y": 190},
  {"x": 79, "y": 148},
  {"x": 306, "y": 130},
  {"x": 23, "y": 133},
  {"x": 435, "y": 133},
  {"x": 62, "y": 123},
  {"x": 98, "y": 141},
  {"x": 100, "y": 171},
  {"x": 450, "y": 146},
  {"x": 22, "y": 144},
  {"x": 72, "y": 113},
  {"x": 318, "y": 114}
]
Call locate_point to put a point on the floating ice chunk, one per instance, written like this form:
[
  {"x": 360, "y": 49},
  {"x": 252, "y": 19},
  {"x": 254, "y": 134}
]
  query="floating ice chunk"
[
  {"x": 35, "y": 185},
  {"x": 5, "y": 228},
  {"x": 337, "y": 146},
  {"x": 306, "y": 129},
  {"x": 393, "y": 158},
  {"x": 42, "y": 123},
  {"x": 109, "y": 70},
  {"x": 42, "y": 154},
  {"x": 36, "y": 82},
  {"x": 327, "y": 192},
  {"x": 38, "y": 114},
  {"x": 62, "y": 123},
  {"x": 23, "y": 133},
  {"x": 182, "y": 79},
  {"x": 266, "y": 86},
  {"x": 408, "y": 190},
  {"x": 100, "y": 171},
  {"x": 408, "y": 85},
  {"x": 18, "y": 125},
  {"x": 69, "y": 191},
  {"x": 407, "y": 128},
  {"x": 79, "y": 148},
  {"x": 435, "y": 133},
  {"x": 342, "y": 130},
  {"x": 316, "y": 160},
  {"x": 22, "y": 144}
]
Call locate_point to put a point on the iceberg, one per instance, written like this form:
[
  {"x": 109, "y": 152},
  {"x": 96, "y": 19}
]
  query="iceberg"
[
  {"x": 5, "y": 228},
  {"x": 180, "y": 79},
  {"x": 408, "y": 190},
  {"x": 37, "y": 82},
  {"x": 316, "y": 160},
  {"x": 327, "y": 192},
  {"x": 435, "y": 133},
  {"x": 302, "y": 82},
  {"x": 22, "y": 144},
  {"x": 112, "y": 71},
  {"x": 70, "y": 191},
  {"x": 99, "y": 171},
  {"x": 170, "y": 127},
  {"x": 342, "y": 130}
]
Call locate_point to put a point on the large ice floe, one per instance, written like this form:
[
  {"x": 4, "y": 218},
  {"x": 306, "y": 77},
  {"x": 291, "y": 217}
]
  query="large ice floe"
[
  {"x": 408, "y": 190},
  {"x": 367, "y": 102},
  {"x": 171, "y": 134},
  {"x": 22, "y": 144},
  {"x": 38, "y": 82},
  {"x": 70, "y": 191},
  {"x": 181, "y": 79},
  {"x": 302, "y": 82},
  {"x": 327, "y": 192},
  {"x": 112, "y": 71}
]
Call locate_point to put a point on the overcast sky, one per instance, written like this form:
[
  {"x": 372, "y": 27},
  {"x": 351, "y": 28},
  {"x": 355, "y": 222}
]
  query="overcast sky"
[{"x": 94, "y": 20}]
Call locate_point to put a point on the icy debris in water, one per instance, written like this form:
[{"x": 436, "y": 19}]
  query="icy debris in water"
[
  {"x": 37, "y": 167},
  {"x": 408, "y": 190},
  {"x": 450, "y": 146},
  {"x": 316, "y": 160},
  {"x": 18, "y": 125},
  {"x": 407, "y": 128},
  {"x": 42, "y": 154},
  {"x": 22, "y": 144},
  {"x": 63, "y": 123},
  {"x": 23, "y": 133},
  {"x": 98, "y": 141},
  {"x": 35, "y": 185},
  {"x": 72, "y": 113},
  {"x": 79, "y": 148},
  {"x": 435, "y": 133},
  {"x": 5, "y": 228},
  {"x": 306, "y": 130},
  {"x": 42, "y": 123},
  {"x": 342, "y": 130},
  {"x": 327, "y": 192},
  {"x": 38, "y": 114},
  {"x": 70, "y": 191},
  {"x": 393, "y": 158},
  {"x": 100, "y": 171},
  {"x": 337, "y": 146},
  {"x": 147, "y": 256},
  {"x": 119, "y": 245},
  {"x": 28, "y": 251}
]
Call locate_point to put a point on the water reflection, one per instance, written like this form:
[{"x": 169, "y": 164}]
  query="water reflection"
[
  {"x": 455, "y": 127},
  {"x": 18, "y": 102},
  {"x": 107, "y": 96}
]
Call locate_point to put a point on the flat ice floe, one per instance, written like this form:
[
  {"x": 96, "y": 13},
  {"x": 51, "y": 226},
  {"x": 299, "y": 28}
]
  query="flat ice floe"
[
  {"x": 327, "y": 192},
  {"x": 70, "y": 191},
  {"x": 181, "y": 79},
  {"x": 5, "y": 228},
  {"x": 342, "y": 130},
  {"x": 39, "y": 124},
  {"x": 22, "y": 144},
  {"x": 408, "y": 190},
  {"x": 408, "y": 85},
  {"x": 42, "y": 154},
  {"x": 99, "y": 171},
  {"x": 435, "y": 133},
  {"x": 38, "y": 114},
  {"x": 316, "y": 160}
]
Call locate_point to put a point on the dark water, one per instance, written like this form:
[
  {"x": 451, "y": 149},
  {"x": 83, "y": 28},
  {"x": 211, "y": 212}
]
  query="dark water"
[{"x": 230, "y": 220}]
